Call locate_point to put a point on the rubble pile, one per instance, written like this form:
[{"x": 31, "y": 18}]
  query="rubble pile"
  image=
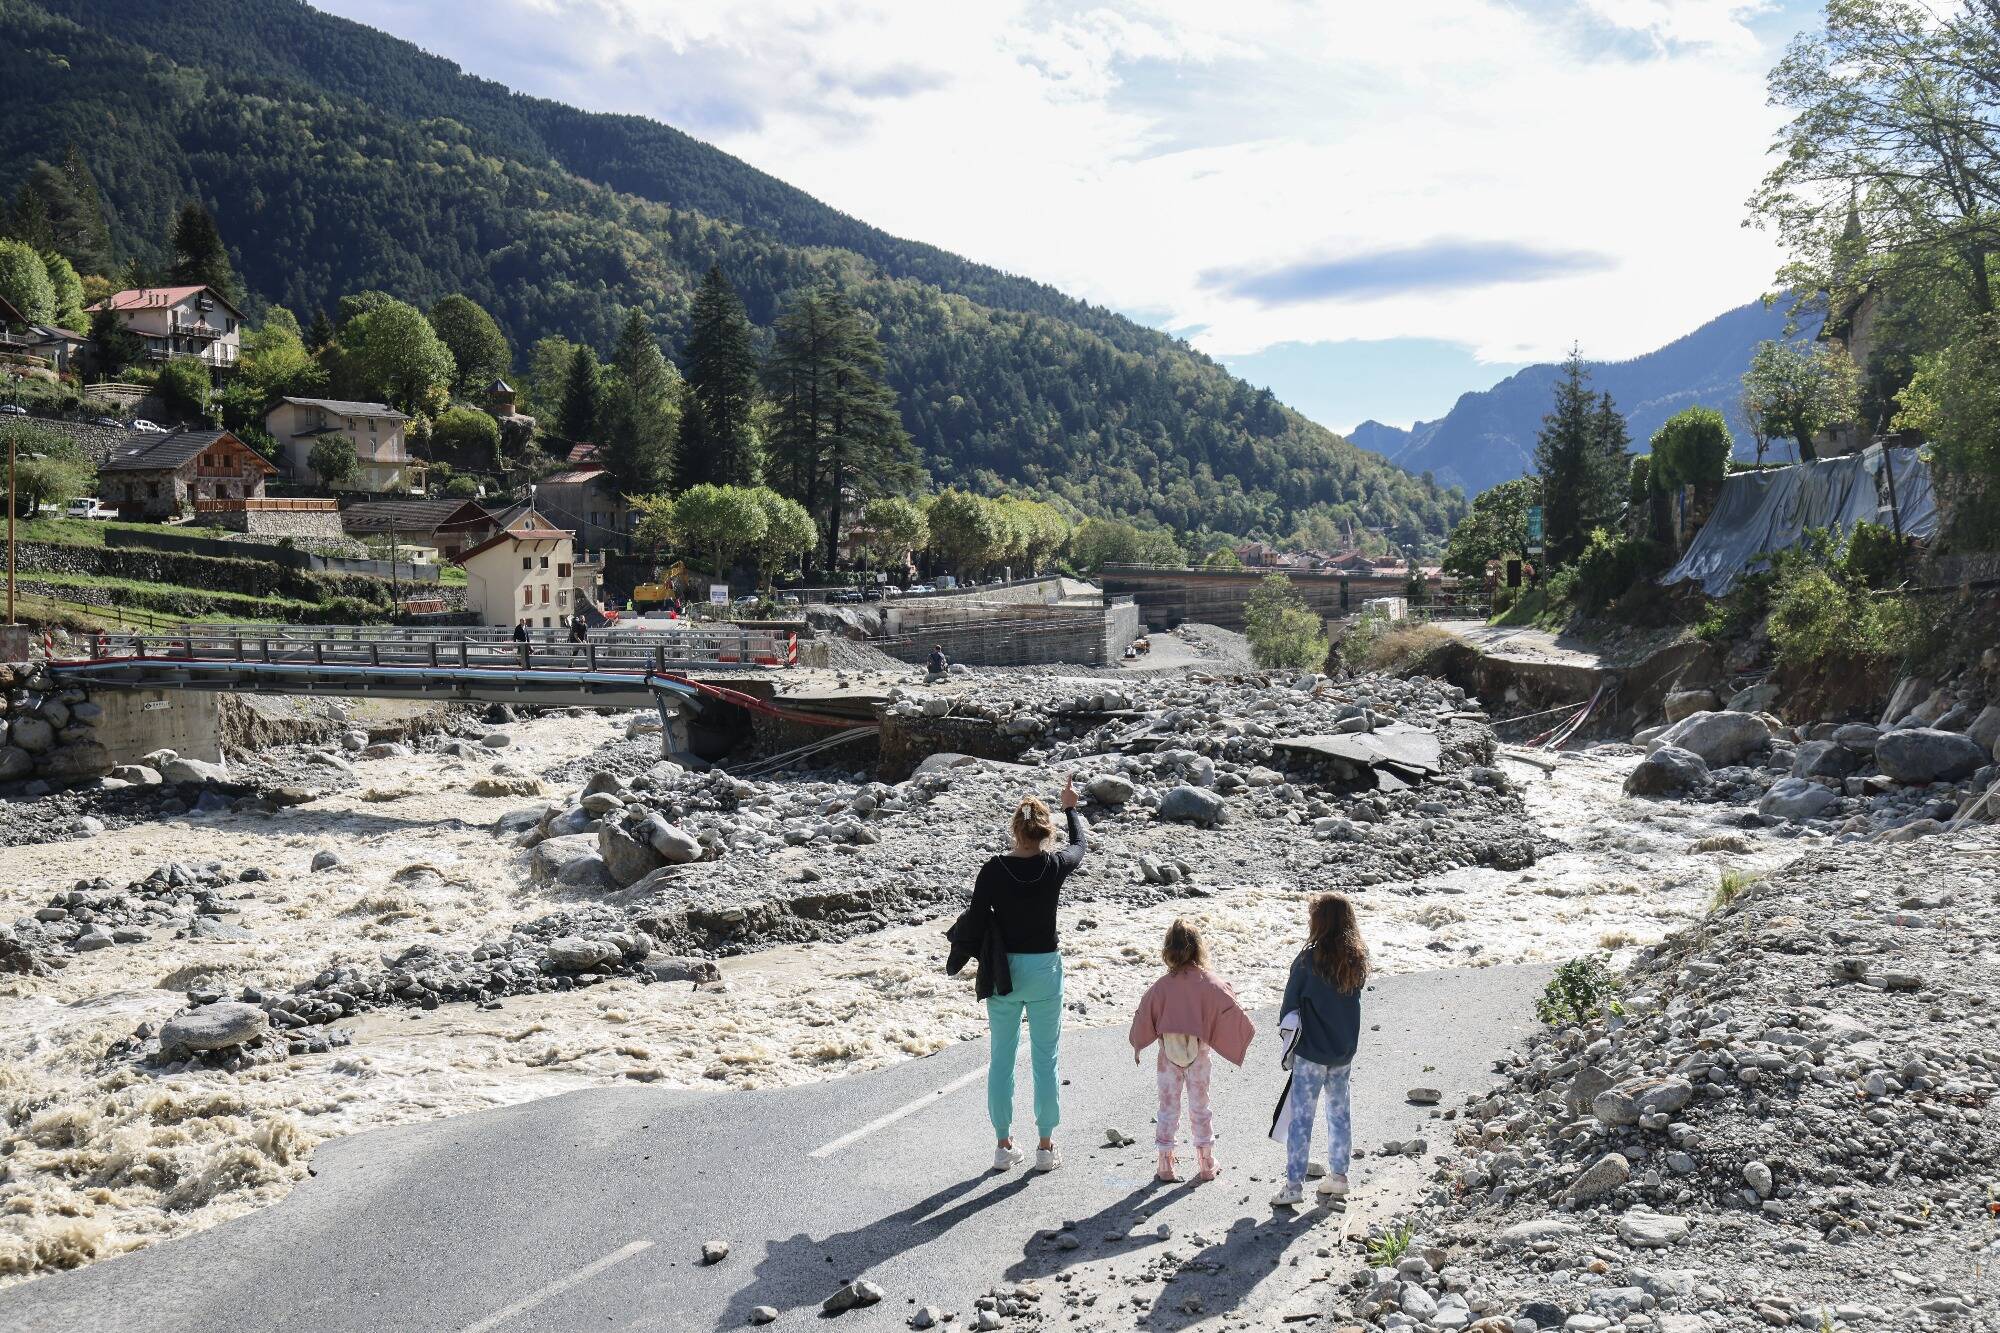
[
  {"x": 1935, "y": 755},
  {"x": 1786, "y": 1119},
  {"x": 95, "y": 914}
]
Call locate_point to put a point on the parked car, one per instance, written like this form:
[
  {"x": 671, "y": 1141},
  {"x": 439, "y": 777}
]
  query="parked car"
[
  {"x": 150, "y": 427},
  {"x": 13, "y": 409},
  {"x": 746, "y": 601},
  {"x": 848, "y": 595},
  {"x": 790, "y": 599},
  {"x": 89, "y": 506},
  {"x": 873, "y": 593},
  {"x": 113, "y": 422},
  {"x": 922, "y": 587}
]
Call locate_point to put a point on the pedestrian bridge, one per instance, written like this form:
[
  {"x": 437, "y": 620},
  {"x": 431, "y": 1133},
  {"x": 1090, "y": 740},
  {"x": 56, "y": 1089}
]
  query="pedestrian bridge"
[{"x": 630, "y": 670}]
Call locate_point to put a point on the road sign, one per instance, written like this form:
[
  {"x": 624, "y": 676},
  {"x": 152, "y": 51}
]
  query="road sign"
[
  {"x": 1534, "y": 529},
  {"x": 718, "y": 594}
]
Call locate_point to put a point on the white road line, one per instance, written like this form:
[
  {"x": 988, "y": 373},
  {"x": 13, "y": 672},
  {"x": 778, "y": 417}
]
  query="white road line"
[
  {"x": 911, "y": 1108},
  {"x": 556, "y": 1288}
]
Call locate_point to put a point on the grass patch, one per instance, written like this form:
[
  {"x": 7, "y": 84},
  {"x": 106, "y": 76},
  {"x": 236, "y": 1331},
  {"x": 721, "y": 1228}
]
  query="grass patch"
[
  {"x": 1533, "y": 607},
  {"x": 1728, "y": 885},
  {"x": 182, "y": 603},
  {"x": 90, "y": 532},
  {"x": 1384, "y": 1250}
]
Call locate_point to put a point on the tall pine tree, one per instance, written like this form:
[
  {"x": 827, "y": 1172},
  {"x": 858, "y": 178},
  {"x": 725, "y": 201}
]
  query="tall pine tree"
[
  {"x": 837, "y": 435},
  {"x": 200, "y": 258},
  {"x": 716, "y": 441},
  {"x": 1569, "y": 455},
  {"x": 640, "y": 412},
  {"x": 582, "y": 397}
]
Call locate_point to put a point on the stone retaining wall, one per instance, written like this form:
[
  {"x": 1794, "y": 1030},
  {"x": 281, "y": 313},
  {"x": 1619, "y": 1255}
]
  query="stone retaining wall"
[
  {"x": 95, "y": 441},
  {"x": 320, "y": 524},
  {"x": 54, "y": 737},
  {"x": 1167, "y": 597},
  {"x": 1080, "y": 637}
]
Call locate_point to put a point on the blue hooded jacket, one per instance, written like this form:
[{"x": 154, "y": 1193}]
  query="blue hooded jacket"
[{"x": 1329, "y": 1018}]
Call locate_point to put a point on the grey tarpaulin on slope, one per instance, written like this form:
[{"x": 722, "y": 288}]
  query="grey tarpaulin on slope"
[{"x": 1760, "y": 513}]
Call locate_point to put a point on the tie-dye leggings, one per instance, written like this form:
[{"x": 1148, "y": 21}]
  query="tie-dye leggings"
[
  {"x": 1166, "y": 1126},
  {"x": 1308, "y": 1082}
]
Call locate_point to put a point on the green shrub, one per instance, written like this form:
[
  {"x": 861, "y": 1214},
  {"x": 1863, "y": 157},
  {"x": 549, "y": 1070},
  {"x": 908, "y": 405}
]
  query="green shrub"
[
  {"x": 1390, "y": 1246},
  {"x": 1874, "y": 555},
  {"x": 1282, "y": 629},
  {"x": 184, "y": 382},
  {"x": 1611, "y": 565},
  {"x": 1578, "y": 993}
]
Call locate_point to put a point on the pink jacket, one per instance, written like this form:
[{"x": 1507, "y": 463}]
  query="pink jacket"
[{"x": 1196, "y": 1003}]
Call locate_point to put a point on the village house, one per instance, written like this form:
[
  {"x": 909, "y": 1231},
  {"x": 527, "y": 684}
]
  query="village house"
[
  {"x": 374, "y": 429},
  {"x": 522, "y": 572},
  {"x": 588, "y": 499},
  {"x": 176, "y": 322},
  {"x": 452, "y": 526},
  {"x": 152, "y": 476}
]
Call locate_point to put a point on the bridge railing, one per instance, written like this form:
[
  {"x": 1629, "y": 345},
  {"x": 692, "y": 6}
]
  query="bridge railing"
[{"x": 461, "y": 651}]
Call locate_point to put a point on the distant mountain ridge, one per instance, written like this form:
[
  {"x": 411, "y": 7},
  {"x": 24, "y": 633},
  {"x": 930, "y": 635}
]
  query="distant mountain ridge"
[{"x": 1489, "y": 435}]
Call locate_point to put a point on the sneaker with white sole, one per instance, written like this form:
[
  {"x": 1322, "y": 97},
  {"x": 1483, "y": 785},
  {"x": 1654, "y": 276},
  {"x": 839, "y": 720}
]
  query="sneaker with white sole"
[
  {"x": 1047, "y": 1159},
  {"x": 1333, "y": 1187},
  {"x": 1006, "y": 1159},
  {"x": 1288, "y": 1196}
]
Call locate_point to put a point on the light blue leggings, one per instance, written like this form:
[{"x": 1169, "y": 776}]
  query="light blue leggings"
[
  {"x": 1308, "y": 1082},
  {"x": 1038, "y": 982}
]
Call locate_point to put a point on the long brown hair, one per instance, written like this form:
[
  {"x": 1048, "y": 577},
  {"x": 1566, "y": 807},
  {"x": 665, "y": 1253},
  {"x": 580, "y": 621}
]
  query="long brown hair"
[
  {"x": 1032, "y": 822},
  {"x": 1338, "y": 952},
  {"x": 1184, "y": 947}
]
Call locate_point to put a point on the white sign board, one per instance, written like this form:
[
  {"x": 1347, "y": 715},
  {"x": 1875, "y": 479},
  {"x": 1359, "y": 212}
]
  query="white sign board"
[{"x": 718, "y": 594}]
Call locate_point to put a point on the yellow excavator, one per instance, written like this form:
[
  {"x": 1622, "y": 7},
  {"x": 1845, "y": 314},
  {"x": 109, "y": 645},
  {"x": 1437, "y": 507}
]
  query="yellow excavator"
[{"x": 670, "y": 585}]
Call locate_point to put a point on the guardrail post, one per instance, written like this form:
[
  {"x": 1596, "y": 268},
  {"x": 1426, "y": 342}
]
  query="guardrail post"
[
  {"x": 265, "y": 644},
  {"x": 590, "y": 655},
  {"x": 319, "y": 651},
  {"x": 461, "y": 653},
  {"x": 659, "y": 657},
  {"x": 434, "y": 654}
]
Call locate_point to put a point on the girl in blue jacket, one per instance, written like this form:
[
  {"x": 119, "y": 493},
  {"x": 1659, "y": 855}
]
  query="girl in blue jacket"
[{"x": 1325, "y": 991}]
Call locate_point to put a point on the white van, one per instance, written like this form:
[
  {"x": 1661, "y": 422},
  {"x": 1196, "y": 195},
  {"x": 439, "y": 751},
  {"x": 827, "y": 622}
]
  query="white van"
[{"x": 89, "y": 506}]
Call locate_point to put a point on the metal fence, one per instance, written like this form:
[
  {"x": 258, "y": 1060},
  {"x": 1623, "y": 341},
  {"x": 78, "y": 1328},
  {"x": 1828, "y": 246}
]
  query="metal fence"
[{"x": 453, "y": 646}]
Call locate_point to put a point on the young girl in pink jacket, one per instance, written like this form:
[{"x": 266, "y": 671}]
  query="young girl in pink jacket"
[{"x": 1189, "y": 1011}]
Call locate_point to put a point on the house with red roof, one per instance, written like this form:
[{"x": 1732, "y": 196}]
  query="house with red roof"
[{"x": 176, "y": 322}]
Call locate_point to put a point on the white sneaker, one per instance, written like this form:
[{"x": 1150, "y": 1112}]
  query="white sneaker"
[
  {"x": 1333, "y": 1187},
  {"x": 1047, "y": 1159},
  {"x": 1288, "y": 1196},
  {"x": 1006, "y": 1159}
]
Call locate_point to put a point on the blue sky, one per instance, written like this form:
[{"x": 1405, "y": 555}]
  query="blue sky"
[{"x": 1370, "y": 208}]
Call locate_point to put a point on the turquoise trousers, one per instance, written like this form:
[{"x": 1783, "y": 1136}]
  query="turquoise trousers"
[{"x": 1037, "y": 993}]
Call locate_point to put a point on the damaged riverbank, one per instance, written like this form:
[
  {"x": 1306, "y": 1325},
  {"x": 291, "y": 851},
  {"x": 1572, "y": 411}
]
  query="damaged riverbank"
[{"x": 109, "y": 1148}]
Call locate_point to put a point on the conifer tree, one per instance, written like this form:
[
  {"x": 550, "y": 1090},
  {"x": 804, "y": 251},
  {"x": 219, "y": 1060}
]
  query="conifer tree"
[
  {"x": 200, "y": 258},
  {"x": 582, "y": 396},
  {"x": 639, "y": 412},
  {"x": 837, "y": 429},
  {"x": 1570, "y": 456},
  {"x": 321, "y": 332},
  {"x": 716, "y": 442}
]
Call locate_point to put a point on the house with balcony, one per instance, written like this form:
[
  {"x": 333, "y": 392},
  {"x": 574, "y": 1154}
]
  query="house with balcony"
[
  {"x": 159, "y": 476},
  {"x": 374, "y": 429},
  {"x": 172, "y": 323}
]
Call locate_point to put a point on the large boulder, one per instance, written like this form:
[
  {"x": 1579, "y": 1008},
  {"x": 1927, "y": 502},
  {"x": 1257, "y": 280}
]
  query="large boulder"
[
  {"x": 15, "y": 763},
  {"x": 36, "y": 735},
  {"x": 1756, "y": 699},
  {"x": 1666, "y": 771},
  {"x": 1719, "y": 738},
  {"x": 1686, "y": 703},
  {"x": 1796, "y": 798},
  {"x": 212, "y": 1027},
  {"x": 1193, "y": 805},
  {"x": 576, "y": 953},
  {"x": 178, "y": 769},
  {"x": 1917, "y": 755},
  {"x": 1859, "y": 737},
  {"x": 628, "y": 859},
  {"x": 76, "y": 761},
  {"x": 1824, "y": 759},
  {"x": 675, "y": 845},
  {"x": 554, "y": 858},
  {"x": 1985, "y": 729},
  {"x": 1109, "y": 789}
]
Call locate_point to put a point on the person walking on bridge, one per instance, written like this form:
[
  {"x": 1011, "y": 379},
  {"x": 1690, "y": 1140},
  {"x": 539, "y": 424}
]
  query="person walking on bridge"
[{"x": 1020, "y": 891}]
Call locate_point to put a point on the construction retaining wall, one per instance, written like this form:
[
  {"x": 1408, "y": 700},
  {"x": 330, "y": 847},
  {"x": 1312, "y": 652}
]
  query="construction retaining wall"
[{"x": 1167, "y": 597}]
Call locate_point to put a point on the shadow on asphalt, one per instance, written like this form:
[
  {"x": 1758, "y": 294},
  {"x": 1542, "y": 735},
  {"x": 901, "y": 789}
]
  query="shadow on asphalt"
[
  {"x": 804, "y": 1264},
  {"x": 1112, "y": 1224},
  {"x": 1221, "y": 1277}
]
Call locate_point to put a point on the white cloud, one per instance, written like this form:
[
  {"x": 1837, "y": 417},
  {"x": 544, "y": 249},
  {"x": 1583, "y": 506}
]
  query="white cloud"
[{"x": 1122, "y": 149}]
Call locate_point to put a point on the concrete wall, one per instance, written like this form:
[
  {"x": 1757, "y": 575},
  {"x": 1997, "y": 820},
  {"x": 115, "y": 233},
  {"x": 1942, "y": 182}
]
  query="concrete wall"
[
  {"x": 1167, "y": 597},
  {"x": 137, "y": 722},
  {"x": 1122, "y": 624},
  {"x": 1082, "y": 638}
]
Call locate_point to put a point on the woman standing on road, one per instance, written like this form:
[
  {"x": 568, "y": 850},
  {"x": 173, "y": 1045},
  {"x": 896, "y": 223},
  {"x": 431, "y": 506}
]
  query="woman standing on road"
[
  {"x": 1324, "y": 990},
  {"x": 1020, "y": 889}
]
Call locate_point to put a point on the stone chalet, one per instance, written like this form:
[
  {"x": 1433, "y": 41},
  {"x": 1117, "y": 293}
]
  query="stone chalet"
[
  {"x": 374, "y": 429},
  {"x": 522, "y": 572},
  {"x": 160, "y": 476},
  {"x": 180, "y": 322}
]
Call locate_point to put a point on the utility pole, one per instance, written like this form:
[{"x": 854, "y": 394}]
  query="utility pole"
[{"x": 10, "y": 532}]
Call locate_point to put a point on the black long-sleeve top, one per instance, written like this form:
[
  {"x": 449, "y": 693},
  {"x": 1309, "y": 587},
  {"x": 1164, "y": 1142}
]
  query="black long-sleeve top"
[{"x": 1022, "y": 891}]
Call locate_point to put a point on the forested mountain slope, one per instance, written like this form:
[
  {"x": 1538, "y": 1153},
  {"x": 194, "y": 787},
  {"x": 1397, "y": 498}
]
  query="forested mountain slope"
[
  {"x": 1489, "y": 436},
  {"x": 338, "y": 159}
]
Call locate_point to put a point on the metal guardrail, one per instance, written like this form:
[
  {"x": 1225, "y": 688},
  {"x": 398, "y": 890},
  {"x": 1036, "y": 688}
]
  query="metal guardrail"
[{"x": 455, "y": 648}]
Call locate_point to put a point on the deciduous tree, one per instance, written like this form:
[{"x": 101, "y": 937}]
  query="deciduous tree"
[
  {"x": 479, "y": 349},
  {"x": 1800, "y": 391},
  {"x": 398, "y": 355}
]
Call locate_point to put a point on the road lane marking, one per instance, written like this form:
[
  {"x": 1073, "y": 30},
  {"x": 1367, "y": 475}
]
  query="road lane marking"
[
  {"x": 556, "y": 1288},
  {"x": 911, "y": 1108}
]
